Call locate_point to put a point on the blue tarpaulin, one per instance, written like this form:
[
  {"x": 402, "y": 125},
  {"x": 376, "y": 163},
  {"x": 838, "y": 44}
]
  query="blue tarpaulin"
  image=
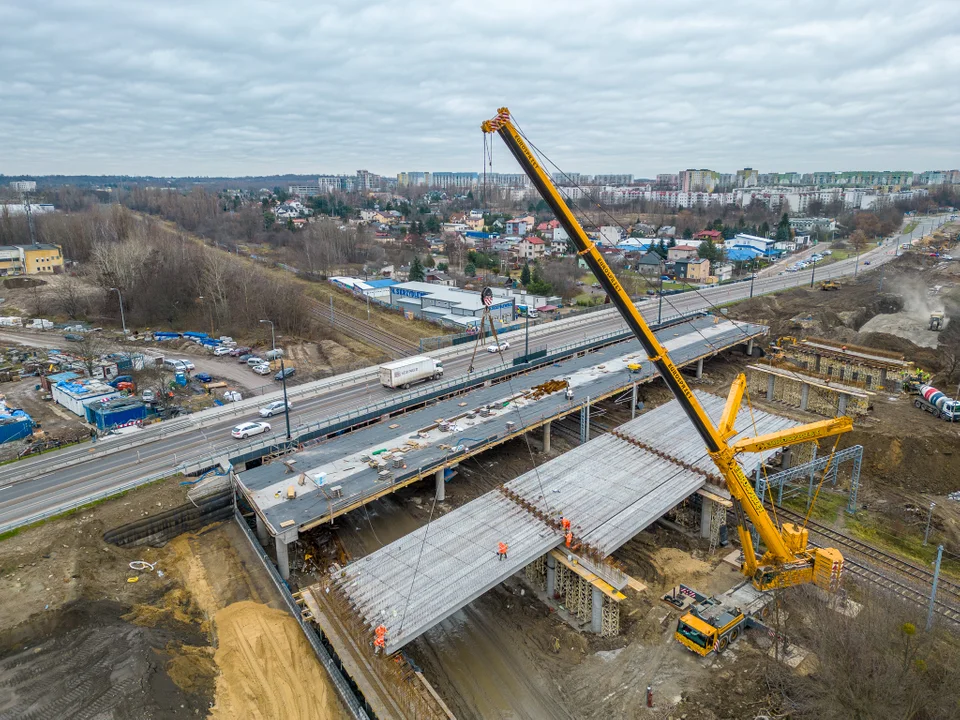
[{"x": 15, "y": 425}]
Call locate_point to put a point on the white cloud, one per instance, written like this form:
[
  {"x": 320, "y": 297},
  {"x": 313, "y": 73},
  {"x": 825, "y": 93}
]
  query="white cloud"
[{"x": 253, "y": 87}]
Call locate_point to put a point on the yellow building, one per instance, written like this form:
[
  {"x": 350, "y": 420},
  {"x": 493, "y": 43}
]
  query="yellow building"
[{"x": 30, "y": 259}]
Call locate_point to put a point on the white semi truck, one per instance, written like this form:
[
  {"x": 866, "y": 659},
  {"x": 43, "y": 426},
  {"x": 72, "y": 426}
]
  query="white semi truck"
[{"x": 406, "y": 372}]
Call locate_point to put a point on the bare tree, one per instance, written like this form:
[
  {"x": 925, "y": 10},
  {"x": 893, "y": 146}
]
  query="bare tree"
[{"x": 71, "y": 297}]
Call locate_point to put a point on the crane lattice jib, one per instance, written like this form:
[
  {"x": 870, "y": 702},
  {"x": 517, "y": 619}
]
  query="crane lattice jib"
[{"x": 722, "y": 454}]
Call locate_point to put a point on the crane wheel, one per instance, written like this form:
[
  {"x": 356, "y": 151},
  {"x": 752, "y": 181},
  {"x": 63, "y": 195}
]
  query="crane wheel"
[
  {"x": 917, "y": 403},
  {"x": 734, "y": 634},
  {"x": 722, "y": 645},
  {"x": 765, "y": 611}
]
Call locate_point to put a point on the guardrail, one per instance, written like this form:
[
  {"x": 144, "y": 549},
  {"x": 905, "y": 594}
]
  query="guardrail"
[
  {"x": 80, "y": 502},
  {"x": 401, "y": 401},
  {"x": 339, "y": 681}
]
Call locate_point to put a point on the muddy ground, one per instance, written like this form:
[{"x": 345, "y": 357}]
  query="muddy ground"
[{"x": 203, "y": 634}]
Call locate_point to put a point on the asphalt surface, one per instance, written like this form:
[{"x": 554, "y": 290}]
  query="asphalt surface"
[{"x": 59, "y": 487}]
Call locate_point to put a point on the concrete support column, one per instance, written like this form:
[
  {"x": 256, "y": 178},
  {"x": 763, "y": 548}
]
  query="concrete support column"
[
  {"x": 750, "y": 347},
  {"x": 770, "y": 380},
  {"x": 546, "y": 438},
  {"x": 283, "y": 558},
  {"x": 883, "y": 377},
  {"x": 699, "y": 368},
  {"x": 551, "y": 575},
  {"x": 785, "y": 459},
  {"x": 842, "y": 405},
  {"x": 633, "y": 402},
  {"x": 804, "y": 395},
  {"x": 262, "y": 534},
  {"x": 596, "y": 607},
  {"x": 441, "y": 485},
  {"x": 706, "y": 516}
]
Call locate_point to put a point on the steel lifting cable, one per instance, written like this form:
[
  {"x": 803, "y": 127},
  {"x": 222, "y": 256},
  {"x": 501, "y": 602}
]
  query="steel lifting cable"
[
  {"x": 616, "y": 222},
  {"x": 763, "y": 469},
  {"x": 826, "y": 471}
]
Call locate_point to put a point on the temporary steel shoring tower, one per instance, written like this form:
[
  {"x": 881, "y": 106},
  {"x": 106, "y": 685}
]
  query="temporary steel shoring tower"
[{"x": 808, "y": 470}]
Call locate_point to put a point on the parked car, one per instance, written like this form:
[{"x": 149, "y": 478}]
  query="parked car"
[
  {"x": 866, "y": 262},
  {"x": 285, "y": 373},
  {"x": 243, "y": 358},
  {"x": 498, "y": 347},
  {"x": 253, "y": 360},
  {"x": 72, "y": 337},
  {"x": 221, "y": 351},
  {"x": 175, "y": 365},
  {"x": 261, "y": 369},
  {"x": 186, "y": 364},
  {"x": 238, "y": 351},
  {"x": 245, "y": 430},
  {"x": 274, "y": 408},
  {"x": 204, "y": 377},
  {"x": 148, "y": 396}
]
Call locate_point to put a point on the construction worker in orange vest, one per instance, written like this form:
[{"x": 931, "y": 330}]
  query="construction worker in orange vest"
[
  {"x": 502, "y": 550},
  {"x": 565, "y": 523},
  {"x": 568, "y": 538}
]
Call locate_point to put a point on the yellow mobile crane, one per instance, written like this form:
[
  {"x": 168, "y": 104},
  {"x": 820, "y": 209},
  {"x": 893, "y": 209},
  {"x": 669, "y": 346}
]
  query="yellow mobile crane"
[{"x": 788, "y": 559}]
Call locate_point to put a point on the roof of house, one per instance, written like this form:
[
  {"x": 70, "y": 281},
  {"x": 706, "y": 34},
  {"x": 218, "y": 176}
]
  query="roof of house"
[
  {"x": 534, "y": 240},
  {"x": 709, "y": 234},
  {"x": 650, "y": 258},
  {"x": 684, "y": 247}
]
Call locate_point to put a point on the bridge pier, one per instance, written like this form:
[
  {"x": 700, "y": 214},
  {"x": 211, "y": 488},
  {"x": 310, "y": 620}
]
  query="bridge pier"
[
  {"x": 551, "y": 576},
  {"x": 441, "y": 485},
  {"x": 596, "y": 610},
  {"x": 750, "y": 347},
  {"x": 804, "y": 395},
  {"x": 283, "y": 555},
  {"x": 633, "y": 402},
  {"x": 842, "y": 405},
  {"x": 770, "y": 387},
  {"x": 262, "y": 535},
  {"x": 546, "y": 437},
  {"x": 706, "y": 516},
  {"x": 699, "y": 368}
]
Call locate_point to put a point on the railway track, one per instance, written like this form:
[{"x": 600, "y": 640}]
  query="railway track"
[
  {"x": 364, "y": 331},
  {"x": 865, "y": 562},
  {"x": 912, "y": 578}
]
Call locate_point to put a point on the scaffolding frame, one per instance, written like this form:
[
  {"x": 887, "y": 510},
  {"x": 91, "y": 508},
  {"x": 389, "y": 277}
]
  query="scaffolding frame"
[{"x": 809, "y": 470}]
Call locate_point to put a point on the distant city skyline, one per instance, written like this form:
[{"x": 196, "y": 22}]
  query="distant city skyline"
[{"x": 245, "y": 88}]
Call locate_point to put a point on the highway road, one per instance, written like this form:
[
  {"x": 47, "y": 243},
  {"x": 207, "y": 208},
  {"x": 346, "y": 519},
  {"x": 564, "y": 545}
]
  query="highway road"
[{"x": 59, "y": 479}]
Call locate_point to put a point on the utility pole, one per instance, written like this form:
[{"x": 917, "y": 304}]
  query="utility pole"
[
  {"x": 283, "y": 377},
  {"x": 123, "y": 322},
  {"x": 882, "y": 269},
  {"x": 331, "y": 308},
  {"x": 933, "y": 588},
  {"x": 813, "y": 274},
  {"x": 926, "y": 533},
  {"x": 526, "y": 339}
]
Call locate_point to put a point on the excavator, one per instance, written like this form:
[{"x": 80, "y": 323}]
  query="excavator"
[{"x": 788, "y": 558}]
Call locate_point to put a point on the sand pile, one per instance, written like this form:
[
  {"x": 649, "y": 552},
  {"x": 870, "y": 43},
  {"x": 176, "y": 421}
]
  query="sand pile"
[{"x": 267, "y": 668}]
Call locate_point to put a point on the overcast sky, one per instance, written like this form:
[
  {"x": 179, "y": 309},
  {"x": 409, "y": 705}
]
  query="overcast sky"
[{"x": 247, "y": 87}]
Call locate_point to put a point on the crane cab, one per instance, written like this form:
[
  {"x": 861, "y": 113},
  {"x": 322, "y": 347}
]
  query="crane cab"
[{"x": 713, "y": 623}]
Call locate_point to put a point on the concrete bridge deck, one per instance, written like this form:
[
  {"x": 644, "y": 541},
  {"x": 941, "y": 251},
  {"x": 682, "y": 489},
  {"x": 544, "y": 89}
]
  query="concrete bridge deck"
[
  {"x": 423, "y": 446},
  {"x": 610, "y": 488}
]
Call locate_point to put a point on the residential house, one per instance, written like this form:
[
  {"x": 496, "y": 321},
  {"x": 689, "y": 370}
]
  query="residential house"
[
  {"x": 649, "y": 264},
  {"x": 693, "y": 269},
  {"x": 667, "y": 231},
  {"x": 714, "y": 236},
  {"x": 367, "y": 215},
  {"x": 474, "y": 223},
  {"x": 610, "y": 235},
  {"x": 722, "y": 272},
  {"x": 520, "y": 225},
  {"x": 387, "y": 217},
  {"x": 437, "y": 277},
  {"x": 767, "y": 246},
  {"x": 531, "y": 248},
  {"x": 681, "y": 252}
]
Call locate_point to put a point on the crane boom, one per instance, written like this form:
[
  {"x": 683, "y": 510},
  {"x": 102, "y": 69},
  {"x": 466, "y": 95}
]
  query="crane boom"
[{"x": 783, "y": 551}]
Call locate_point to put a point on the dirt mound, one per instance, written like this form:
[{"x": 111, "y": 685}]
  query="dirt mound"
[{"x": 84, "y": 661}]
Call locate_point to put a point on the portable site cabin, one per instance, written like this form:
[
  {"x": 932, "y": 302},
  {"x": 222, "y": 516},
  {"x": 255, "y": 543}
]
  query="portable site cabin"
[
  {"x": 118, "y": 412},
  {"x": 73, "y": 395}
]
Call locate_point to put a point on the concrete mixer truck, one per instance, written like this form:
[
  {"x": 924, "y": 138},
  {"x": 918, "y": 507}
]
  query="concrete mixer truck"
[{"x": 935, "y": 402}]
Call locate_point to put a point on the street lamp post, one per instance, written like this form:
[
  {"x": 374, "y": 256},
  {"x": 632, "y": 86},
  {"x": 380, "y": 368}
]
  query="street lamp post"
[
  {"x": 123, "y": 322},
  {"x": 660, "y": 299},
  {"x": 283, "y": 377},
  {"x": 813, "y": 273},
  {"x": 526, "y": 338}
]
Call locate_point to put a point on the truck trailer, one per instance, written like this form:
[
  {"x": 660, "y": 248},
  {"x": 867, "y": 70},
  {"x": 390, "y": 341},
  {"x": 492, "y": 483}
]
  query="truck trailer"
[{"x": 406, "y": 372}]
